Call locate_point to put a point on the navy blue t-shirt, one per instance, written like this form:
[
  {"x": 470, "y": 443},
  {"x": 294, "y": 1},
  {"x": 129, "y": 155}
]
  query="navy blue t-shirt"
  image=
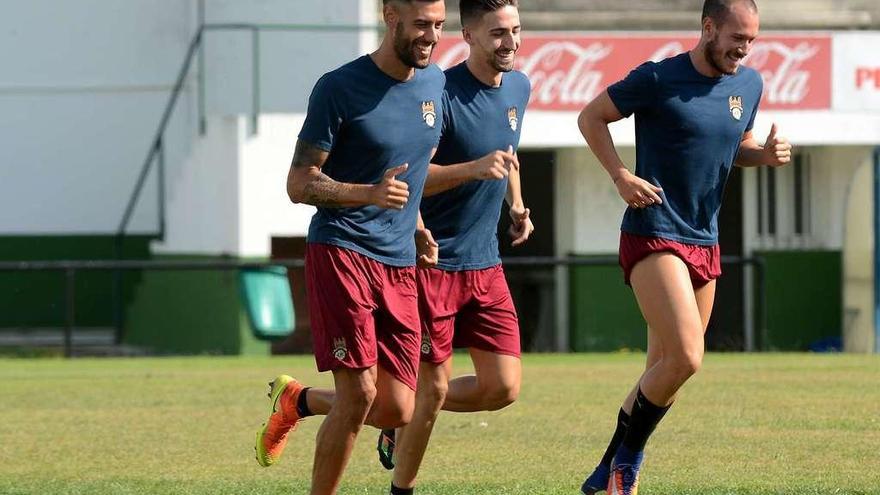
[
  {"x": 371, "y": 122},
  {"x": 477, "y": 120},
  {"x": 688, "y": 132}
]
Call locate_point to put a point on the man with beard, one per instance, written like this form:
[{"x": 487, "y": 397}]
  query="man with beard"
[
  {"x": 466, "y": 300},
  {"x": 694, "y": 116},
  {"x": 362, "y": 157}
]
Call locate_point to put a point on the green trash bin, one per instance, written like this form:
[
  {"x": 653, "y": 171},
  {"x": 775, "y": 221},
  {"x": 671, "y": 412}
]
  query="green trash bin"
[{"x": 267, "y": 299}]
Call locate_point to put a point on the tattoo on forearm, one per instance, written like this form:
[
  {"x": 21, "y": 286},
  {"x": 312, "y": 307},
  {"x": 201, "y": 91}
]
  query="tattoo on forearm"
[{"x": 321, "y": 191}]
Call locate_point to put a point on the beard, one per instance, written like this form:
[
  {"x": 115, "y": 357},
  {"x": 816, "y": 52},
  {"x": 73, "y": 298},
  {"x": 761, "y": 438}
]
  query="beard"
[
  {"x": 498, "y": 64},
  {"x": 406, "y": 50},
  {"x": 716, "y": 57}
]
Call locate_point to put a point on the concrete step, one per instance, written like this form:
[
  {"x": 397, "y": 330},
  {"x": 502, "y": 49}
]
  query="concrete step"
[{"x": 84, "y": 341}]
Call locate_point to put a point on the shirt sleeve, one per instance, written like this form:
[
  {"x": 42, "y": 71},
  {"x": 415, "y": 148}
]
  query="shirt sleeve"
[
  {"x": 324, "y": 116},
  {"x": 760, "y": 94},
  {"x": 527, "y": 95},
  {"x": 445, "y": 114},
  {"x": 636, "y": 91}
]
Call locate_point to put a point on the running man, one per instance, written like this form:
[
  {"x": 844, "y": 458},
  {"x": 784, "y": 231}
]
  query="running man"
[
  {"x": 694, "y": 116},
  {"x": 465, "y": 300},
  {"x": 362, "y": 158}
]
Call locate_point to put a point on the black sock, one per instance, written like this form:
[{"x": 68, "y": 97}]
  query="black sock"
[
  {"x": 616, "y": 439},
  {"x": 401, "y": 491},
  {"x": 302, "y": 404},
  {"x": 642, "y": 421}
]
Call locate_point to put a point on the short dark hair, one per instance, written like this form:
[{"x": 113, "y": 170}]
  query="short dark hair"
[
  {"x": 718, "y": 10},
  {"x": 471, "y": 10},
  {"x": 386, "y": 2}
]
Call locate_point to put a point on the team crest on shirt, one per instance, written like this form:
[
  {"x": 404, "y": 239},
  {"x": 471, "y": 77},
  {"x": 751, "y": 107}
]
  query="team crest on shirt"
[
  {"x": 339, "y": 349},
  {"x": 428, "y": 113},
  {"x": 736, "y": 106},
  {"x": 426, "y": 343},
  {"x": 511, "y": 118}
]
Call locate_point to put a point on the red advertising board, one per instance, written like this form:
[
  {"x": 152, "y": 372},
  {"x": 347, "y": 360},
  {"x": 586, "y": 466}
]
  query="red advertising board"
[{"x": 568, "y": 70}]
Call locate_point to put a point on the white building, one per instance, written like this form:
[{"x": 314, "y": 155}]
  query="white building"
[{"x": 86, "y": 86}]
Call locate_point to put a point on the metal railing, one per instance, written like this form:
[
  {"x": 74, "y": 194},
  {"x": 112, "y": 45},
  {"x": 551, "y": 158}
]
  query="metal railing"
[
  {"x": 156, "y": 152},
  {"x": 71, "y": 268}
]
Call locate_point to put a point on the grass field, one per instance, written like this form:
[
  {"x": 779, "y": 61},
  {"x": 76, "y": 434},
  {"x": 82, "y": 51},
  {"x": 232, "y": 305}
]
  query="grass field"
[{"x": 747, "y": 424}]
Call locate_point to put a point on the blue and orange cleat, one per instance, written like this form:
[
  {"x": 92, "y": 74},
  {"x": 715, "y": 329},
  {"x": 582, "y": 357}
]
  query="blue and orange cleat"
[
  {"x": 598, "y": 481},
  {"x": 283, "y": 418},
  {"x": 385, "y": 447},
  {"x": 625, "y": 472}
]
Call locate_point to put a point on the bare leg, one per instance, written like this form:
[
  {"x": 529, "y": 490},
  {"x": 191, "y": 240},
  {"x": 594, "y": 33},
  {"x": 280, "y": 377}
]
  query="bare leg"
[
  {"x": 705, "y": 297},
  {"x": 668, "y": 302},
  {"x": 394, "y": 402},
  {"x": 359, "y": 394},
  {"x": 494, "y": 386},
  {"x": 655, "y": 352},
  {"x": 355, "y": 392},
  {"x": 412, "y": 439},
  {"x": 320, "y": 400}
]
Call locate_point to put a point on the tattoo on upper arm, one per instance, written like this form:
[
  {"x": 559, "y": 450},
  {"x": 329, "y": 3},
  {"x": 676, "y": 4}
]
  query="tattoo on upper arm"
[{"x": 308, "y": 155}]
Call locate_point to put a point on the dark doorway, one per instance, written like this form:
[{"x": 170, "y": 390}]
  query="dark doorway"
[
  {"x": 534, "y": 287},
  {"x": 300, "y": 341},
  {"x": 726, "y": 326}
]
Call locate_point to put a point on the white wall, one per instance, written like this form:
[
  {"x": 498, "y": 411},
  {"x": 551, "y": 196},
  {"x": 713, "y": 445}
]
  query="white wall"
[
  {"x": 831, "y": 169},
  {"x": 590, "y": 212},
  {"x": 203, "y": 200},
  {"x": 858, "y": 256},
  {"x": 83, "y": 85},
  {"x": 266, "y": 211},
  {"x": 230, "y": 197},
  {"x": 291, "y": 62},
  {"x": 81, "y": 91}
]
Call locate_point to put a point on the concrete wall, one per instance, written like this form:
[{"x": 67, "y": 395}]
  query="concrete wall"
[
  {"x": 203, "y": 193},
  {"x": 266, "y": 211},
  {"x": 84, "y": 84},
  {"x": 831, "y": 169},
  {"x": 858, "y": 256}
]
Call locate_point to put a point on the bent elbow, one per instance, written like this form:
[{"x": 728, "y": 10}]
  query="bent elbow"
[{"x": 294, "y": 193}]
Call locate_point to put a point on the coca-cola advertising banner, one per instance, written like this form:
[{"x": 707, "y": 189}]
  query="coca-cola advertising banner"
[
  {"x": 857, "y": 71},
  {"x": 569, "y": 70}
]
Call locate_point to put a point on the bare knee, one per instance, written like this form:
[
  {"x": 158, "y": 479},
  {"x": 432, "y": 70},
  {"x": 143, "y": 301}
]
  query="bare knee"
[
  {"x": 391, "y": 415},
  {"x": 685, "y": 364},
  {"x": 501, "y": 395},
  {"x": 354, "y": 404},
  {"x": 432, "y": 394}
]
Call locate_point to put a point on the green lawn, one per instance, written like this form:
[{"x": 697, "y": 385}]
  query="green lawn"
[{"x": 747, "y": 424}]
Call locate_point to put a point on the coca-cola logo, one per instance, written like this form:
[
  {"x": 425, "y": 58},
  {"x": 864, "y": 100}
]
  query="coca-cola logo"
[{"x": 567, "y": 72}]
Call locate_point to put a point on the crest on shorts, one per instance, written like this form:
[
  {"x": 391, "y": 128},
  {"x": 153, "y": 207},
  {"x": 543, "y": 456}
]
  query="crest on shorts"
[
  {"x": 512, "y": 119},
  {"x": 339, "y": 349},
  {"x": 736, "y": 106},
  {"x": 428, "y": 113},
  {"x": 426, "y": 343}
]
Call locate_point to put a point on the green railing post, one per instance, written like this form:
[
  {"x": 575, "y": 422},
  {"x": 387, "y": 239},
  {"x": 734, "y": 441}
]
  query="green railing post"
[
  {"x": 203, "y": 123},
  {"x": 69, "y": 309},
  {"x": 161, "y": 186},
  {"x": 255, "y": 90}
]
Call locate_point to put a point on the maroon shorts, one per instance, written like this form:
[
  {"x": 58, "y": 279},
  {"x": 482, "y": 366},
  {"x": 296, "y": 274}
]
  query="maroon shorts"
[
  {"x": 469, "y": 308},
  {"x": 703, "y": 262},
  {"x": 363, "y": 312}
]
